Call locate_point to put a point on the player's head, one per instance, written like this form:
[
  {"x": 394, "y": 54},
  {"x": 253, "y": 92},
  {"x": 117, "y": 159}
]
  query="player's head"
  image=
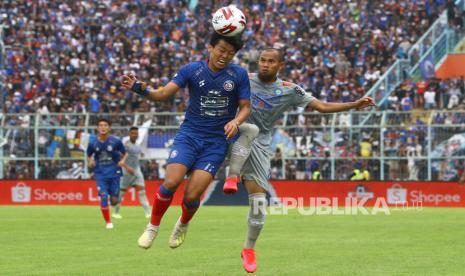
[
  {"x": 270, "y": 62},
  {"x": 133, "y": 134},
  {"x": 103, "y": 126},
  {"x": 222, "y": 50}
]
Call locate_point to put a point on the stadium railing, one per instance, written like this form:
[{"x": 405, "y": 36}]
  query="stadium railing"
[
  {"x": 432, "y": 47},
  {"x": 50, "y": 146}
]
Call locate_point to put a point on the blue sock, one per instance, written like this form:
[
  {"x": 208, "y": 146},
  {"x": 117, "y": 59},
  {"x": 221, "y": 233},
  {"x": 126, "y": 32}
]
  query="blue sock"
[{"x": 165, "y": 192}]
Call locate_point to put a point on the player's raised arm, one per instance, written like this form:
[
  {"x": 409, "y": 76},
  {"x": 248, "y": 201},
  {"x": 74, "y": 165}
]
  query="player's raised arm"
[
  {"x": 141, "y": 88},
  {"x": 338, "y": 107}
]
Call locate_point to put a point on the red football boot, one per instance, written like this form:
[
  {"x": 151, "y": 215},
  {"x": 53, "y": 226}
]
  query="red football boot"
[
  {"x": 230, "y": 185},
  {"x": 248, "y": 260}
]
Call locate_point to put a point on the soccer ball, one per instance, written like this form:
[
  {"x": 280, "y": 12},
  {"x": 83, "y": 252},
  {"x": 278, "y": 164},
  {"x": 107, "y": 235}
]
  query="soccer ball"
[{"x": 228, "y": 21}]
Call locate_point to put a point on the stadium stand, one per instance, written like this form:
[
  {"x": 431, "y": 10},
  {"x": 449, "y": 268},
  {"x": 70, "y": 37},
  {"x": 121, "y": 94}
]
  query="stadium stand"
[{"x": 66, "y": 57}]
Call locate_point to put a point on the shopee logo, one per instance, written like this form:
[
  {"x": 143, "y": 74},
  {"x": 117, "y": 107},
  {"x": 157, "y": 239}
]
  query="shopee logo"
[{"x": 21, "y": 193}]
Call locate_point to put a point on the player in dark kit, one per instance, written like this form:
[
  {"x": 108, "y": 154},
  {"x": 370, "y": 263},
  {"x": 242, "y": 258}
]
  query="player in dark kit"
[
  {"x": 106, "y": 154},
  {"x": 216, "y": 90}
]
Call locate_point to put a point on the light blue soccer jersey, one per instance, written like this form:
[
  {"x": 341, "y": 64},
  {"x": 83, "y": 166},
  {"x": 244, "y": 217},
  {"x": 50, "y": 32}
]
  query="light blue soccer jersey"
[{"x": 213, "y": 98}]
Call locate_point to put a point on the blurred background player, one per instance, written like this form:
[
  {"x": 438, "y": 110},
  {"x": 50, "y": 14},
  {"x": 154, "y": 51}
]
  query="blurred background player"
[
  {"x": 132, "y": 174},
  {"x": 271, "y": 97},
  {"x": 216, "y": 90},
  {"x": 106, "y": 154}
]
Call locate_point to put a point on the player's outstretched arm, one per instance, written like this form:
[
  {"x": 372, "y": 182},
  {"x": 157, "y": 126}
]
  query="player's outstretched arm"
[
  {"x": 130, "y": 82},
  {"x": 231, "y": 128},
  {"x": 338, "y": 107}
]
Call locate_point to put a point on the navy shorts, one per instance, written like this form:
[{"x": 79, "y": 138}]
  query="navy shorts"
[
  {"x": 108, "y": 186},
  {"x": 198, "y": 154}
]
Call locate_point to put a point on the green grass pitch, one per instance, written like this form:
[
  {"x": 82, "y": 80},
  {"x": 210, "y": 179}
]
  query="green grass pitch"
[{"x": 70, "y": 240}]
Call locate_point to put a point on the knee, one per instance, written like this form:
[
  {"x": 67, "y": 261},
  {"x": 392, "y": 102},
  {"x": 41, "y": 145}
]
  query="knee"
[
  {"x": 114, "y": 201},
  {"x": 171, "y": 184},
  {"x": 103, "y": 199},
  {"x": 249, "y": 130},
  {"x": 191, "y": 196}
]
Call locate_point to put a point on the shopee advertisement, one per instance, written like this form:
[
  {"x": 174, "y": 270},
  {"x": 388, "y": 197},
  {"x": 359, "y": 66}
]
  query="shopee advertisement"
[
  {"x": 408, "y": 193},
  {"x": 68, "y": 192},
  {"x": 84, "y": 192}
]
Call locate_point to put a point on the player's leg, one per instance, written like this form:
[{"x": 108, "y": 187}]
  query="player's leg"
[
  {"x": 103, "y": 192},
  {"x": 144, "y": 202},
  {"x": 117, "y": 214},
  {"x": 239, "y": 154},
  {"x": 174, "y": 175},
  {"x": 197, "y": 184},
  {"x": 139, "y": 185},
  {"x": 212, "y": 155},
  {"x": 113, "y": 192},
  {"x": 255, "y": 222},
  {"x": 124, "y": 186},
  {"x": 182, "y": 156},
  {"x": 255, "y": 178}
]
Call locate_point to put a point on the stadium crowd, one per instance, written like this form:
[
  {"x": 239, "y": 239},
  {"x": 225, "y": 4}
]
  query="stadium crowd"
[{"x": 67, "y": 56}]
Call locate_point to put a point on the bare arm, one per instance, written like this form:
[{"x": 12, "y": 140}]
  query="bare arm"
[
  {"x": 122, "y": 162},
  {"x": 164, "y": 93},
  {"x": 231, "y": 128},
  {"x": 338, "y": 107},
  {"x": 160, "y": 94},
  {"x": 90, "y": 162}
]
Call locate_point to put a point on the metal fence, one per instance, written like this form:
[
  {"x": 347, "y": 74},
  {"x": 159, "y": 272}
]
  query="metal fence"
[
  {"x": 392, "y": 146},
  {"x": 434, "y": 46}
]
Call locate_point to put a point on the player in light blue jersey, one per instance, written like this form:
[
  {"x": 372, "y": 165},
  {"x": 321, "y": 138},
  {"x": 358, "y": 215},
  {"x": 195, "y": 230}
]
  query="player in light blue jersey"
[
  {"x": 216, "y": 90},
  {"x": 271, "y": 97},
  {"x": 132, "y": 174},
  {"x": 106, "y": 154}
]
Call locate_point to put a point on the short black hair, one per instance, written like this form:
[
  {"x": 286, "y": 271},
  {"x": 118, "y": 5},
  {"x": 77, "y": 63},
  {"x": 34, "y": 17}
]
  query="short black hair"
[
  {"x": 133, "y": 128},
  {"x": 278, "y": 50},
  {"x": 235, "y": 41},
  {"x": 104, "y": 120}
]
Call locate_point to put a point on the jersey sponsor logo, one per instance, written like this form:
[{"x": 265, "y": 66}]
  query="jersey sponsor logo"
[
  {"x": 213, "y": 93},
  {"x": 201, "y": 83},
  {"x": 278, "y": 92},
  {"x": 213, "y": 102},
  {"x": 228, "y": 85},
  {"x": 173, "y": 154},
  {"x": 299, "y": 91}
]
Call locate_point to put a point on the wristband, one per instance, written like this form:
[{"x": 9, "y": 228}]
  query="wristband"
[{"x": 137, "y": 88}]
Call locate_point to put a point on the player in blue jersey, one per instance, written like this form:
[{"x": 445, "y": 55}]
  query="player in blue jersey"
[
  {"x": 106, "y": 154},
  {"x": 216, "y": 90}
]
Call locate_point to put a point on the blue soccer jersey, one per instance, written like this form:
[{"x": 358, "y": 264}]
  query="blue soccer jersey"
[
  {"x": 213, "y": 98},
  {"x": 107, "y": 154}
]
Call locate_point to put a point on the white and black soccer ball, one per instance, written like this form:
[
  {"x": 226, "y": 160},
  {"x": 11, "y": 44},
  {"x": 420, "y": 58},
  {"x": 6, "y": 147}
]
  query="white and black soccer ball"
[{"x": 229, "y": 21}]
